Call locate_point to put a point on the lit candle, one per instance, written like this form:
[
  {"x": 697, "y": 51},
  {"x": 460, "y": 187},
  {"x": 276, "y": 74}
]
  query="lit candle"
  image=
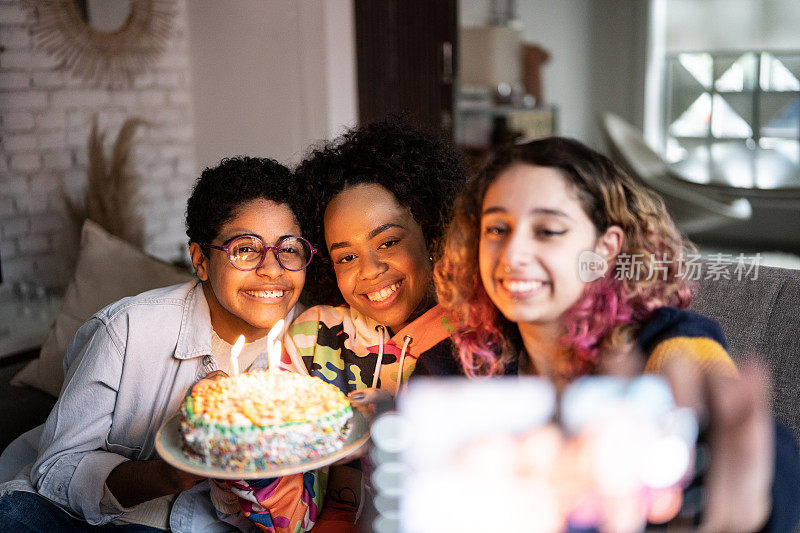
[
  {"x": 276, "y": 348},
  {"x": 235, "y": 351},
  {"x": 274, "y": 345}
]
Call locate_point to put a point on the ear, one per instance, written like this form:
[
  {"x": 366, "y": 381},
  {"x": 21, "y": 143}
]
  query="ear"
[
  {"x": 199, "y": 261},
  {"x": 610, "y": 243}
]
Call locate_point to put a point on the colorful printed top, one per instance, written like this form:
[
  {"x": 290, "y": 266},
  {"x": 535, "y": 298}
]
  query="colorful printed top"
[
  {"x": 286, "y": 504},
  {"x": 351, "y": 351},
  {"x": 343, "y": 347}
]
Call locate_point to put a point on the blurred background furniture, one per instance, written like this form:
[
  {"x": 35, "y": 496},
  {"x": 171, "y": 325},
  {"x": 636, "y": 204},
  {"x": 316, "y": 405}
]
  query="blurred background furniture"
[
  {"x": 735, "y": 165},
  {"x": 30, "y": 380},
  {"x": 25, "y": 317},
  {"x": 693, "y": 209}
]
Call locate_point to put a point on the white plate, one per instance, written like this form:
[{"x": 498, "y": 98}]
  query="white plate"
[{"x": 170, "y": 447}]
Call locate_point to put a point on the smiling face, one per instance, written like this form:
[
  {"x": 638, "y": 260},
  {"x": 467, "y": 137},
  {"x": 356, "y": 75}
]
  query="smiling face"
[
  {"x": 533, "y": 228},
  {"x": 379, "y": 255},
  {"x": 249, "y": 302}
]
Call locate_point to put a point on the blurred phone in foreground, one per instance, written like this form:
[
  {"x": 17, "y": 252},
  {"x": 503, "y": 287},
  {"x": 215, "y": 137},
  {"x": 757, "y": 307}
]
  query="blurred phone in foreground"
[{"x": 608, "y": 454}]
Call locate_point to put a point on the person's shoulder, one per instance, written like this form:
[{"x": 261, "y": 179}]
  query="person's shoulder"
[
  {"x": 441, "y": 359},
  {"x": 672, "y": 322},
  {"x": 173, "y": 297}
]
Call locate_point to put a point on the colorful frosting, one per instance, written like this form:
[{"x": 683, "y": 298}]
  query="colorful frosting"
[{"x": 263, "y": 419}]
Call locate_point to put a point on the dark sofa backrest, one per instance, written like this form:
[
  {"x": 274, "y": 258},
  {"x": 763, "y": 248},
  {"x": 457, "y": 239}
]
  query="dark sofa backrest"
[{"x": 761, "y": 318}]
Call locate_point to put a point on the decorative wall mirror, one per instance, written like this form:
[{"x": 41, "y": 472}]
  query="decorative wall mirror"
[{"x": 105, "y": 42}]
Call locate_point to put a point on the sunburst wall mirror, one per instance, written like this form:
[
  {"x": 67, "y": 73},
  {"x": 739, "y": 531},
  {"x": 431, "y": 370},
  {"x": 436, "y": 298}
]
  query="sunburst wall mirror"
[{"x": 105, "y": 42}]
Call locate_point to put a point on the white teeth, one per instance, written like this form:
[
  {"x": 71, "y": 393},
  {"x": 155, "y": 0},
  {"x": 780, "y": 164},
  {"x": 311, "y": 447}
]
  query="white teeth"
[
  {"x": 381, "y": 295},
  {"x": 266, "y": 294},
  {"x": 521, "y": 286}
]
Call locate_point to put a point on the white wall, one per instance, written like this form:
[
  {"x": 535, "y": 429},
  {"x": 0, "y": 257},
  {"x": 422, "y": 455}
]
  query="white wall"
[
  {"x": 617, "y": 64},
  {"x": 270, "y": 77},
  {"x": 563, "y": 28},
  {"x": 717, "y": 25},
  {"x": 45, "y": 118},
  {"x": 341, "y": 68}
]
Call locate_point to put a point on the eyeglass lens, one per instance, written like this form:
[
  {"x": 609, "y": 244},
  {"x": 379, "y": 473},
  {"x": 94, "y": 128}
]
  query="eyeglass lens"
[{"x": 246, "y": 252}]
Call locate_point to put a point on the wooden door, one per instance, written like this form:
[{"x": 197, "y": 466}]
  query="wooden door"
[{"x": 406, "y": 54}]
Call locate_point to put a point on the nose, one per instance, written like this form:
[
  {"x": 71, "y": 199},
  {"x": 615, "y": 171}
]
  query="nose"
[
  {"x": 518, "y": 251},
  {"x": 269, "y": 266},
  {"x": 372, "y": 266}
]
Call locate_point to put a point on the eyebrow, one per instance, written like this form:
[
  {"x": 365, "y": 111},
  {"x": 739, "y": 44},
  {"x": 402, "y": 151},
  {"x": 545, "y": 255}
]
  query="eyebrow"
[
  {"x": 536, "y": 211},
  {"x": 241, "y": 232},
  {"x": 372, "y": 234}
]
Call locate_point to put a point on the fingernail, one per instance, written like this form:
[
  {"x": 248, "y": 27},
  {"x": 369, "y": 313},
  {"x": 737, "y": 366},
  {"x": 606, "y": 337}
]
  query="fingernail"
[{"x": 357, "y": 396}]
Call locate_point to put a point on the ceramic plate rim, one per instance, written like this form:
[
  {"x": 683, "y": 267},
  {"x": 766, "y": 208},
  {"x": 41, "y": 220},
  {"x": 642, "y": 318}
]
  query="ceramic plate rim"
[{"x": 169, "y": 448}]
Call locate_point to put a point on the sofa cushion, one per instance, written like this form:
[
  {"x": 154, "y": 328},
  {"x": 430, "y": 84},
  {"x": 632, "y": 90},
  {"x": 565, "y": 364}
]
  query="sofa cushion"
[
  {"x": 108, "y": 269},
  {"x": 760, "y": 316}
]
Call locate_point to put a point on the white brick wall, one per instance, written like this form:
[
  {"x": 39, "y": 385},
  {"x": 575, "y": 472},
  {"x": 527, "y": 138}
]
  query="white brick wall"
[{"x": 45, "y": 117}]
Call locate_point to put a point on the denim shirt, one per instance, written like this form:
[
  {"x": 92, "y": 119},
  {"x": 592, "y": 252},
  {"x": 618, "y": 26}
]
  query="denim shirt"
[{"x": 126, "y": 372}]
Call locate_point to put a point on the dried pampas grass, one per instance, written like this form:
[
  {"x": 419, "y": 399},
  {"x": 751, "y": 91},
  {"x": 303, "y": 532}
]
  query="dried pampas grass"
[{"x": 112, "y": 188}]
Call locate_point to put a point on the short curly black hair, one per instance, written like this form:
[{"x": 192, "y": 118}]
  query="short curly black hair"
[
  {"x": 220, "y": 191},
  {"x": 422, "y": 170}
]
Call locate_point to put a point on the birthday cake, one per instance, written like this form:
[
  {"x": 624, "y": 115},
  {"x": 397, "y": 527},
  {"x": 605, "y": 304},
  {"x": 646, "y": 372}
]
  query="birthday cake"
[{"x": 262, "y": 420}]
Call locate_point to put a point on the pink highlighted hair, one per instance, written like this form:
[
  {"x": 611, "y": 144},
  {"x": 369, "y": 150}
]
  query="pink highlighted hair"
[{"x": 611, "y": 309}]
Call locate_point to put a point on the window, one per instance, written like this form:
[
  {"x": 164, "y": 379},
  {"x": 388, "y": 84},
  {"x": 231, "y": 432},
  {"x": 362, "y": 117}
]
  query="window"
[{"x": 720, "y": 102}]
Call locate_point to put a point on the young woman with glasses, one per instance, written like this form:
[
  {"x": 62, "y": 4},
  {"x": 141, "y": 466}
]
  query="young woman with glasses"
[{"x": 130, "y": 366}]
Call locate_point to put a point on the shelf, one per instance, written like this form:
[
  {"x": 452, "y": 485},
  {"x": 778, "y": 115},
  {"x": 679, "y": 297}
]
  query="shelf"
[
  {"x": 24, "y": 325},
  {"x": 479, "y": 126},
  {"x": 467, "y": 108}
]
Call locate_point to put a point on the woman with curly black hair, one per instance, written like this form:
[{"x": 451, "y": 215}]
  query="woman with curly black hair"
[
  {"x": 382, "y": 197},
  {"x": 422, "y": 172}
]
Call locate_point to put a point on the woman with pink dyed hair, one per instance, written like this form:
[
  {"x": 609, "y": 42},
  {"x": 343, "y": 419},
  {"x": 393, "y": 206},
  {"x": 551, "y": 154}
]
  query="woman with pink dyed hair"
[
  {"x": 558, "y": 264},
  {"x": 529, "y": 233}
]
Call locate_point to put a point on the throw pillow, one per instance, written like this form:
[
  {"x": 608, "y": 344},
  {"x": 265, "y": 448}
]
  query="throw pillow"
[{"x": 108, "y": 269}]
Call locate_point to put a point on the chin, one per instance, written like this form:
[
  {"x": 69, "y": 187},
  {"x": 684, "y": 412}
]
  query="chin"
[
  {"x": 515, "y": 314},
  {"x": 390, "y": 321},
  {"x": 266, "y": 322}
]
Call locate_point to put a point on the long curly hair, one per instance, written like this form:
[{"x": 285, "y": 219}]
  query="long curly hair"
[
  {"x": 421, "y": 170},
  {"x": 605, "y": 319}
]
